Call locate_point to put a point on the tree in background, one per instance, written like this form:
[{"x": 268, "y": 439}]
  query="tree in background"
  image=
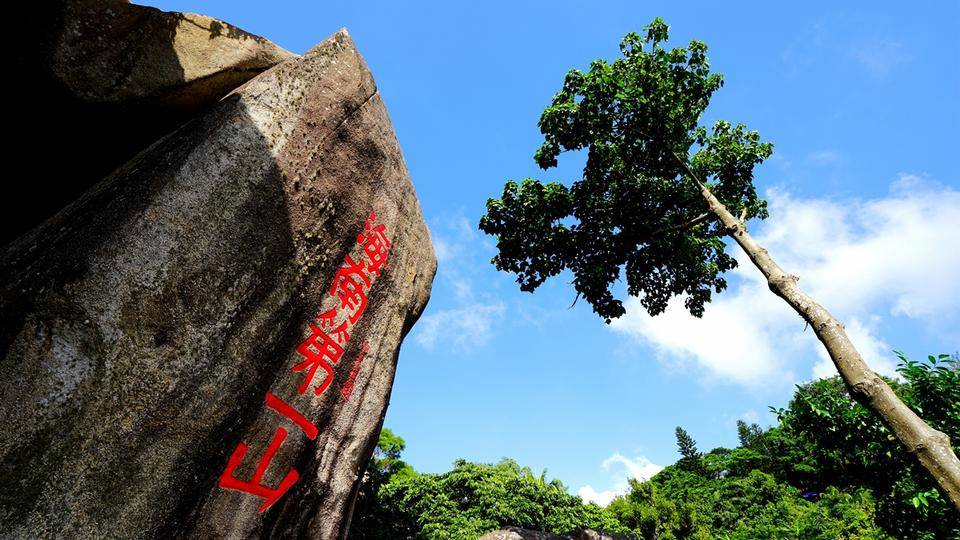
[
  {"x": 468, "y": 501},
  {"x": 827, "y": 439},
  {"x": 748, "y": 435},
  {"x": 370, "y": 518},
  {"x": 648, "y": 513},
  {"x": 690, "y": 458},
  {"x": 830, "y": 469},
  {"x": 658, "y": 196}
]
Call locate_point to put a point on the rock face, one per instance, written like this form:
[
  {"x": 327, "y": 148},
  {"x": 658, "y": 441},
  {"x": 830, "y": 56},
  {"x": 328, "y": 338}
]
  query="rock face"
[
  {"x": 110, "y": 51},
  {"x": 166, "y": 339},
  {"x": 99, "y": 80},
  {"x": 517, "y": 533}
]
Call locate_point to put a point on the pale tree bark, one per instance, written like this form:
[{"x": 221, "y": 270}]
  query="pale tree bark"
[{"x": 931, "y": 447}]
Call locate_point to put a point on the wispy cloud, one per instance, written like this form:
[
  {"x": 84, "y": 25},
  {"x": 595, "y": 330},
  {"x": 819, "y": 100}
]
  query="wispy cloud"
[
  {"x": 866, "y": 261},
  {"x": 621, "y": 469},
  {"x": 464, "y": 328},
  {"x": 469, "y": 318},
  {"x": 879, "y": 56},
  {"x": 825, "y": 157}
]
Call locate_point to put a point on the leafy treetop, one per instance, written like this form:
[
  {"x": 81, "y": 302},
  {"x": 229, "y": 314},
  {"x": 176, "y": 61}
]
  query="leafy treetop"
[{"x": 636, "y": 207}]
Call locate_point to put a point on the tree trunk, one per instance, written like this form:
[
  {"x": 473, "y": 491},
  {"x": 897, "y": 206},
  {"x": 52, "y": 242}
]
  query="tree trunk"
[{"x": 931, "y": 447}]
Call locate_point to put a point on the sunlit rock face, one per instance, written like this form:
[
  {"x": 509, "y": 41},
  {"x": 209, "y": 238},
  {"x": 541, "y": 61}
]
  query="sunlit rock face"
[
  {"x": 98, "y": 81},
  {"x": 204, "y": 343}
]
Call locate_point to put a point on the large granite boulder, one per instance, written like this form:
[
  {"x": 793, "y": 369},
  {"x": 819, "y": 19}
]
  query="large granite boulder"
[
  {"x": 99, "y": 80},
  {"x": 203, "y": 345}
]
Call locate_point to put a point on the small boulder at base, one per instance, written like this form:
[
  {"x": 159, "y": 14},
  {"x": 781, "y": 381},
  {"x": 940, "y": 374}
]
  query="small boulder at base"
[
  {"x": 204, "y": 344},
  {"x": 517, "y": 533}
]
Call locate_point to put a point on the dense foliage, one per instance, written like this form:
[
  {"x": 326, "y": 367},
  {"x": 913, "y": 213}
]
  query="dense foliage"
[
  {"x": 636, "y": 208},
  {"x": 828, "y": 470},
  {"x": 466, "y": 502},
  {"x": 824, "y": 439}
]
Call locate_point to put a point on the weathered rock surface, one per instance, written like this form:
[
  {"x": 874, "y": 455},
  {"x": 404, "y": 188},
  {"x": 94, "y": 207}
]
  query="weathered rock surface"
[
  {"x": 142, "y": 327},
  {"x": 517, "y": 533},
  {"x": 99, "y": 80},
  {"x": 590, "y": 534}
]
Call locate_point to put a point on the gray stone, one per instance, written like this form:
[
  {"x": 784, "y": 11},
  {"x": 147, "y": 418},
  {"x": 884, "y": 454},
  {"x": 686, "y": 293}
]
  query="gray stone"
[
  {"x": 142, "y": 327},
  {"x": 99, "y": 80},
  {"x": 517, "y": 533}
]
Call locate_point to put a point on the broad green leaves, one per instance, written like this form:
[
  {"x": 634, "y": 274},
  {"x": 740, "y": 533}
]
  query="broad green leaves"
[
  {"x": 635, "y": 211},
  {"x": 825, "y": 438},
  {"x": 472, "y": 499}
]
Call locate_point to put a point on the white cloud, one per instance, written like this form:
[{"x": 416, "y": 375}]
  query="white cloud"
[
  {"x": 603, "y": 498},
  {"x": 622, "y": 470},
  {"x": 445, "y": 251},
  {"x": 469, "y": 318},
  {"x": 895, "y": 254},
  {"x": 465, "y": 328},
  {"x": 866, "y": 261},
  {"x": 879, "y": 57},
  {"x": 825, "y": 157},
  {"x": 732, "y": 340},
  {"x": 639, "y": 468}
]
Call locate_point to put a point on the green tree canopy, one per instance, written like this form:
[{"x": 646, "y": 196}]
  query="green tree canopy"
[
  {"x": 659, "y": 193},
  {"x": 633, "y": 209},
  {"x": 690, "y": 457},
  {"x": 828, "y": 470}
]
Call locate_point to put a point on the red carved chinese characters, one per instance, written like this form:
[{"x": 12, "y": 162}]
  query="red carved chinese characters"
[
  {"x": 375, "y": 244},
  {"x": 282, "y": 407},
  {"x": 351, "y": 291},
  {"x": 347, "y": 389},
  {"x": 322, "y": 350},
  {"x": 254, "y": 487},
  {"x": 319, "y": 351}
]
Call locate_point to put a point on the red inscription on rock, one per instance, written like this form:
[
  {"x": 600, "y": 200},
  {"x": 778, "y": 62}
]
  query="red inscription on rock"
[
  {"x": 347, "y": 389},
  {"x": 253, "y": 486},
  {"x": 321, "y": 350}
]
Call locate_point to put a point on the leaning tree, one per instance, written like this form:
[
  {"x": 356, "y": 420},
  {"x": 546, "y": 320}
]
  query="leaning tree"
[{"x": 658, "y": 196}]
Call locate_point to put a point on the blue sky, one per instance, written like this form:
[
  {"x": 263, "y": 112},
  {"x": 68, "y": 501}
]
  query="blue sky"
[{"x": 861, "y": 104}]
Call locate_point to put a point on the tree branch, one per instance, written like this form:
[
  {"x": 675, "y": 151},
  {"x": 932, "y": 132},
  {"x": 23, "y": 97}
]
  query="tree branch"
[{"x": 706, "y": 216}]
